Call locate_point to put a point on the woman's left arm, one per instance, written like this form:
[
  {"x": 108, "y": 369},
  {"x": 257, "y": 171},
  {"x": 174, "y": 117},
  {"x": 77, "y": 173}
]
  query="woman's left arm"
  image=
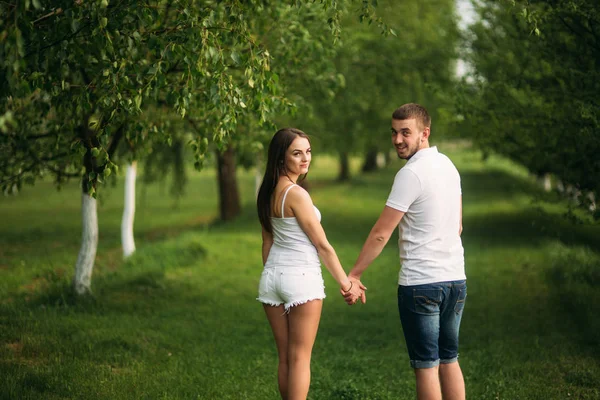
[{"x": 267, "y": 242}]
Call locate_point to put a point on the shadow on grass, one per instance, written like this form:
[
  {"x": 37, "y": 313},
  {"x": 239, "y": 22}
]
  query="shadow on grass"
[
  {"x": 527, "y": 227},
  {"x": 526, "y": 224},
  {"x": 493, "y": 185},
  {"x": 140, "y": 279}
]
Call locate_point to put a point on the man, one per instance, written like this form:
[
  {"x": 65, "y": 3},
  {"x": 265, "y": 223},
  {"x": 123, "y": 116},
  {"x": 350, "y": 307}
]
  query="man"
[{"x": 426, "y": 204}]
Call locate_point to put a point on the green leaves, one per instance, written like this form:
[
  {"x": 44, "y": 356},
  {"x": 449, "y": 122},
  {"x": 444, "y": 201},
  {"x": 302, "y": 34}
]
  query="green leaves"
[
  {"x": 235, "y": 56},
  {"x": 144, "y": 64},
  {"x": 536, "y": 78},
  {"x": 7, "y": 122}
]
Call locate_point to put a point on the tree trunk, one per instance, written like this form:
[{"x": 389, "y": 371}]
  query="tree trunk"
[
  {"x": 229, "y": 198},
  {"x": 87, "y": 254},
  {"x": 370, "y": 163},
  {"x": 127, "y": 240},
  {"x": 591, "y": 198},
  {"x": 545, "y": 182},
  {"x": 387, "y": 158},
  {"x": 344, "y": 167}
]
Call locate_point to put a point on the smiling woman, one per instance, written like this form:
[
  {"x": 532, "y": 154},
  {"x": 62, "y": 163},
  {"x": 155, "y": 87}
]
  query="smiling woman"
[{"x": 291, "y": 286}]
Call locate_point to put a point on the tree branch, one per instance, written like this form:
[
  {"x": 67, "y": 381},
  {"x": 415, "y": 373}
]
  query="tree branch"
[
  {"x": 58, "y": 172},
  {"x": 114, "y": 143},
  {"x": 193, "y": 124},
  {"x": 36, "y": 161},
  {"x": 42, "y": 136},
  {"x": 167, "y": 10},
  {"x": 16, "y": 177},
  {"x": 54, "y": 12},
  {"x": 58, "y": 41},
  {"x": 30, "y": 137},
  {"x": 577, "y": 33}
]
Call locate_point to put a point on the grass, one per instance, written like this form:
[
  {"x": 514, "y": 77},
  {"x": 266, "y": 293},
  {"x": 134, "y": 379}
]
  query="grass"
[{"x": 178, "y": 320}]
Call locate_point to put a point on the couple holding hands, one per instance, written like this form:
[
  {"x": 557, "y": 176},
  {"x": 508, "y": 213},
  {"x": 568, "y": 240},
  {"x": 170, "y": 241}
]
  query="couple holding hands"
[{"x": 425, "y": 203}]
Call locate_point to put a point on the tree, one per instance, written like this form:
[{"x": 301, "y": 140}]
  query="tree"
[
  {"x": 78, "y": 75},
  {"x": 373, "y": 74},
  {"x": 535, "y": 88}
]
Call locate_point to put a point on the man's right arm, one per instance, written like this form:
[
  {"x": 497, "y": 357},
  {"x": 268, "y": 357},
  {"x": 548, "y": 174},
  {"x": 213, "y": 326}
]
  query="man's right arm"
[
  {"x": 377, "y": 239},
  {"x": 405, "y": 190}
]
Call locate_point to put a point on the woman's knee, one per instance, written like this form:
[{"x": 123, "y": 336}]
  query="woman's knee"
[{"x": 299, "y": 355}]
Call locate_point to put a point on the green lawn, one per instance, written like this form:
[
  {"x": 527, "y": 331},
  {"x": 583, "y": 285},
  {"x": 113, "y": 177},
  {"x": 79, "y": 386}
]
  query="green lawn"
[{"x": 178, "y": 320}]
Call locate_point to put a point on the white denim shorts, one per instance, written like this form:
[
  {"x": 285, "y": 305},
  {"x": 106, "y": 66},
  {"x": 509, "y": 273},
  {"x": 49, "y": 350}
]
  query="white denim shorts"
[{"x": 290, "y": 286}]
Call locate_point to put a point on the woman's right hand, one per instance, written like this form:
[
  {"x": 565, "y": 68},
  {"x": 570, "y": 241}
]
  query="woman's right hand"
[{"x": 353, "y": 291}]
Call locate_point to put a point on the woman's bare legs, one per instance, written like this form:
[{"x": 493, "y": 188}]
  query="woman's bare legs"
[
  {"x": 278, "y": 319},
  {"x": 295, "y": 335},
  {"x": 303, "y": 323}
]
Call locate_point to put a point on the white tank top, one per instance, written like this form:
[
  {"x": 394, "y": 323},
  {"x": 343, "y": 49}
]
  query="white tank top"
[{"x": 291, "y": 246}]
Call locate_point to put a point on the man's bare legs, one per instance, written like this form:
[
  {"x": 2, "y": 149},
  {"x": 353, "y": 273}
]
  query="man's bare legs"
[
  {"x": 428, "y": 383},
  {"x": 441, "y": 382},
  {"x": 452, "y": 381}
]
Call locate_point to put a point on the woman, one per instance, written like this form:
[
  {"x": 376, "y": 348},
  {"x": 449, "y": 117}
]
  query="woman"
[{"x": 291, "y": 286}]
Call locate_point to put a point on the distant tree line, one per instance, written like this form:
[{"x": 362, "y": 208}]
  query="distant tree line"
[{"x": 534, "y": 90}]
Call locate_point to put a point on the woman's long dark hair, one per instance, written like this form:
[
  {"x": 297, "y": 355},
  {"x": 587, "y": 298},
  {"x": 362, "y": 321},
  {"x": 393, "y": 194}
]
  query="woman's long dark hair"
[{"x": 274, "y": 169}]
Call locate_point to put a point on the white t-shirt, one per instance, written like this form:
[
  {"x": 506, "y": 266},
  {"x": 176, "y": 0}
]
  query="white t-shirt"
[{"x": 428, "y": 190}]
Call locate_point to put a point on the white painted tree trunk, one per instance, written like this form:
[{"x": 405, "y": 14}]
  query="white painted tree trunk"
[
  {"x": 381, "y": 162},
  {"x": 573, "y": 194},
  {"x": 546, "y": 182},
  {"x": 89, "y": 243},
  {"x": 592, "y": 201},
  {"x": 560, "y": 186},
  {"x": 127, "y": 240}
]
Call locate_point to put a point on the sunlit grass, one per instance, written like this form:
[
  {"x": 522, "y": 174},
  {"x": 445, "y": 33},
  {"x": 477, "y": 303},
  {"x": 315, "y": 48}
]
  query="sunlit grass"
[{"x": 179, "y": 320}]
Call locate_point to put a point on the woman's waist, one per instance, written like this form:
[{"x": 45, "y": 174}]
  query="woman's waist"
[
  {"x": 288, "y": 239},
  {"x": 293, "y": 246},
  {"x": 293, "y": 256}
]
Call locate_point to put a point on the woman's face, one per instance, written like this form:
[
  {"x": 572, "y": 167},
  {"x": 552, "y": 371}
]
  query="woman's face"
[{"x": 297, "y": 156}]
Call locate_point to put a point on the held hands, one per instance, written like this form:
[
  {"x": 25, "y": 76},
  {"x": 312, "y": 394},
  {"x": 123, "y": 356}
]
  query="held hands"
[{"x": 355, "y": 291}]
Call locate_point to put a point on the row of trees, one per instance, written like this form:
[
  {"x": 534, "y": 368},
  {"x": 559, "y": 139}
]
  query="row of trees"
[
  {"x": 377, "y": 74},
  {"x": 533, "y": 94},
  {"x": 93, "y": 85},
  {"x": 86, "y": 81}
]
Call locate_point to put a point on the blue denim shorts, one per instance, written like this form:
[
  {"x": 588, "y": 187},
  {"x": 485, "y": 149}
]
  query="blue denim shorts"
[{"x": 430, "y": 316}]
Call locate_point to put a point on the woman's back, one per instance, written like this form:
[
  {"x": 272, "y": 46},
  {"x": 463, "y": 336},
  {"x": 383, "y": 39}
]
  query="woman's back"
[{"x": 291, "y": 246}]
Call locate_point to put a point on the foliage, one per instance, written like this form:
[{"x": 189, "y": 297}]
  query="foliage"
[
  {"x": 533, "y": 94},
  {"x": 80, "y": 76},
  {"x": 377, "y": 73}
]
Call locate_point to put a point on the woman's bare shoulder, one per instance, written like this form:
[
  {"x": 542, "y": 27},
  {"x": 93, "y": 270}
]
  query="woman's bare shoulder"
[{"x": 299, "y": 195}]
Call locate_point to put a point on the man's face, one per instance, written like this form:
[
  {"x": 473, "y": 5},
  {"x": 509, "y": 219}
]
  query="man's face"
[{"x": 407, "y": 137}]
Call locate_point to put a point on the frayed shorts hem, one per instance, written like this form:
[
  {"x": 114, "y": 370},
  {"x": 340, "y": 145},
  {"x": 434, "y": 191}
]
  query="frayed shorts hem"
[
  {"x": 418, "y": 364},
  {"x": 291, "y": 304}
]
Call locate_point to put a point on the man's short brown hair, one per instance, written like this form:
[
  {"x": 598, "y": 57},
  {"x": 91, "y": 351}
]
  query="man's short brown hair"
[{"x": 413, "y": 110}]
